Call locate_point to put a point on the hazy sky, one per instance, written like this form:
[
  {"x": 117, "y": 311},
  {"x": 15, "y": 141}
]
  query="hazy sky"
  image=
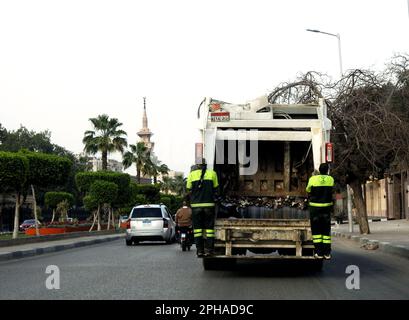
[{"x": 62, "y": 62}]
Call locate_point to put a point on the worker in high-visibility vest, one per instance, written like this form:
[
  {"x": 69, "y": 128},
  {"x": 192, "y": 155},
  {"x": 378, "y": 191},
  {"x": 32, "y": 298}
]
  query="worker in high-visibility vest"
[
  {"x": 320, "y": 188},
  {"x": 202, "y": 184}
]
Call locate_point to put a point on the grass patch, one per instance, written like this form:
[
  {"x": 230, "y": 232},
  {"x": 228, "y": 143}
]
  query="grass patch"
[{"x": 10, "y": 236}]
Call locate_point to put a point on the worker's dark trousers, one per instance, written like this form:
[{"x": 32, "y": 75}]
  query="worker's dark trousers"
[
  {"x": 321, "y": 229},
  {"x": 203, "y": 225}
]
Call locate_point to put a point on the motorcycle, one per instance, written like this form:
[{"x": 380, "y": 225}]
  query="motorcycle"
[{"x": 185, "y": 238}]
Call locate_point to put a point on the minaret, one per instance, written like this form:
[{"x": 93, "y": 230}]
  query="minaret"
[{"x": 145, "y": 134}]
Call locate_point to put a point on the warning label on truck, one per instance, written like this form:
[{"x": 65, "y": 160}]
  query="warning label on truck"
[{"x": 220, "y": 116}]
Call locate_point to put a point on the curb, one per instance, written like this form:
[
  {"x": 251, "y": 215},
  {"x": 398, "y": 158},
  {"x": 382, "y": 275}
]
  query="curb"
[
  {"x": 18, "y": 254},
  {"x": 55, "y": 237},
  {"x": 386, "y": 247}
]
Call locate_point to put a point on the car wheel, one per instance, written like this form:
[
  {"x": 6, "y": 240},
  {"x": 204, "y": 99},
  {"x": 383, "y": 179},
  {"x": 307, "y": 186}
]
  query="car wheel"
[{"x": 128, "y": 242}]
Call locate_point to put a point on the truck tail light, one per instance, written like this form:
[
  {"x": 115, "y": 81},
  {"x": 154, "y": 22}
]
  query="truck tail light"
[
  {"x": 329, "y": 152},
  {"x": 128, "y": 224},
  {"x": 165, "y": 223}
]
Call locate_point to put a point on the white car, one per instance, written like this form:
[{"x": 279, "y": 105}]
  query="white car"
[{"x": 152, "y": 222}]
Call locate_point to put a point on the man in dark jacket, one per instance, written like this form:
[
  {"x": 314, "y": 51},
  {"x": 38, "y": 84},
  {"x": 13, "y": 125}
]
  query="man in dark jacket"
[
  {"x": 320, "y": 188},
  {"x": 202, "y": 184}
]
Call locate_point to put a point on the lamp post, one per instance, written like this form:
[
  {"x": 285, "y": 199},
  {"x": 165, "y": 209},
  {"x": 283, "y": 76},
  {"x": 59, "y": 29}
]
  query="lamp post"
[
  {"x": 349, "y": 192},
  {"x": 338, "y": 36}
]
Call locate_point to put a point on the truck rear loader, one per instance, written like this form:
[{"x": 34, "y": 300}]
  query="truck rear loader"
[{"x": 264, "y": 155}]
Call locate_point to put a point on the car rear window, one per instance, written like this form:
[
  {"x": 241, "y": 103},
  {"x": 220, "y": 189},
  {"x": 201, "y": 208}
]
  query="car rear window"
[{"x": 146, "y": 213}]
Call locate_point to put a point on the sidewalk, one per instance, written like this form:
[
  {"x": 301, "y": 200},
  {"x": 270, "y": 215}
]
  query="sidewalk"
[
  {"x": 33, "y": 249},
  {"x": 389, "y": 236}
]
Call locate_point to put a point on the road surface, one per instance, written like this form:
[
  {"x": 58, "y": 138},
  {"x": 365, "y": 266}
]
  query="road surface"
[{"x": 163, "y": 272}]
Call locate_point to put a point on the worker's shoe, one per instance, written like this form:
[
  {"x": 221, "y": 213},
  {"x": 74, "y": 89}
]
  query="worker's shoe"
[
  {"x": 200, "y": 254},
  {"x": 317, "y": 256},
  {"x": 209, "y": 252},
  {"x": 327, "y": 256}
]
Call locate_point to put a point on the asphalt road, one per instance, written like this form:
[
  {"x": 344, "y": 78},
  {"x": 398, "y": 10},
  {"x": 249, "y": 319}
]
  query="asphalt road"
[{"x": 164, "y": 272}]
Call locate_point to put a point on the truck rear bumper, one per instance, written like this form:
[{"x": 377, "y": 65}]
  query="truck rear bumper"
[{"x": 265, "y": 257}]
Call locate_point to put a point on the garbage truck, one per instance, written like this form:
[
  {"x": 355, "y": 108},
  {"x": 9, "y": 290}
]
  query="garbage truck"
[{"x": 264, "y": 155}]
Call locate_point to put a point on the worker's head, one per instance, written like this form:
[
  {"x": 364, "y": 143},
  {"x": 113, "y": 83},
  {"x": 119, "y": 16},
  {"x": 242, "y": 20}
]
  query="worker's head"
[
  {"x": 324, "y": 168},
  {"x": 202, "y": 163}
]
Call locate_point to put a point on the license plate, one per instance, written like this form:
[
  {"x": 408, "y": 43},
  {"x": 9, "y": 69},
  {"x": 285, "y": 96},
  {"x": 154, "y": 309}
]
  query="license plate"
[
  {"x": 146, "y": 222},
  {"x": 183, "y": 235},
  {"x": 220, "y": 116}
]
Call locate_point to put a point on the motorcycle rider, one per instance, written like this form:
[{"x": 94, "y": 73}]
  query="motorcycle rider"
[{"x": 183, "y": 218}]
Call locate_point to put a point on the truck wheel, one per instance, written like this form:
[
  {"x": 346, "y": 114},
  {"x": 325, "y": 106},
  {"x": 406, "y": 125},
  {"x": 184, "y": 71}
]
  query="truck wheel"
[
  {"x": 128, "y": 242},
  {"x": 183, "y": 246}
]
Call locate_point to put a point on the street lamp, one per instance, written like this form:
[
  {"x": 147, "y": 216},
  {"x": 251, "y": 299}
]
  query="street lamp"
[{"x": 338, "y": 36}]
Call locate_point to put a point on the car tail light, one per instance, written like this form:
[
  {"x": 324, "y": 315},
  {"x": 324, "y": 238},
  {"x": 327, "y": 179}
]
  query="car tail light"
[
  {"x": 165, "y": 223},
  {"x": 128, "y": 224}
]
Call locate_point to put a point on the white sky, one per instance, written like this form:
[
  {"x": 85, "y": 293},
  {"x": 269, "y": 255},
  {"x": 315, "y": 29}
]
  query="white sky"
[{"x": 62, "y": 62}]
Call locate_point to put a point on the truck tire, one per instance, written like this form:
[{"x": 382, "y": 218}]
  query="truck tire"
[
  {"x": 128, "y": 242},
  {"x": 218, "y": 263}
]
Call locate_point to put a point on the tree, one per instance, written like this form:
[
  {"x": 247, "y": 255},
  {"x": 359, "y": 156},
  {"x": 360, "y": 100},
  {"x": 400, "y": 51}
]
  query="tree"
[
  {"x": 45, "y": 170},
  {"x": 23, "y": 138},
  {"x": 62, "y": 209},
  {"x": 371, "y": 131},
  {"x": 175, "y": 185},
  {"x": 179, "y": 185},
  {"x": 167, "y": 184},
  {"x": 162, "y": 169},
  {"x": 85, "y": 180},
  {"x": 13, "y": 177},
  {"x": 103, "y": 192},
  {"x": 140, "y": 156},
  {"x": 151, "y": 192},
  {"x": 53, "y": 199},
  {"x": 91, "y": 205},
  {"x": 155, "y": 168},
  {"x": 105, "y": 138}
]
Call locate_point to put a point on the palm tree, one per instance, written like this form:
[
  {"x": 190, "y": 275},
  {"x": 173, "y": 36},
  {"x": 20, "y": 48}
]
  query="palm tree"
[
  {"x": 179, "y": 185},
  {"x": 167, "y": 184},
  {"x": 163, "y": 169},
  {"x": 140, "y": 156},
  {"x": 158, "y": 169},
  {"x": 106, "y": 138}
]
